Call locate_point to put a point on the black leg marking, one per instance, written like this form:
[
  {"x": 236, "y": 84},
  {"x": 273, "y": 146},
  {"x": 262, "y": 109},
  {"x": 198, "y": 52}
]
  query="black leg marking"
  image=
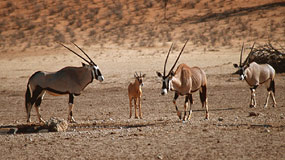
[
  {"x": 38, "y": 101},
  {"x": 71, "y": 98}
]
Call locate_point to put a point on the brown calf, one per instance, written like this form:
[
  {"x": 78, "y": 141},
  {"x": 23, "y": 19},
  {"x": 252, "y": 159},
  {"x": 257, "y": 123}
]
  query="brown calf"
[{"x": 135, "y": 93}]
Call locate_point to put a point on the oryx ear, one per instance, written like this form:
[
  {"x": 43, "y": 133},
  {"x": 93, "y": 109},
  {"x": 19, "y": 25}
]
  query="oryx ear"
[
  {"x": 158, "y": 74},
  {"x": 143, "y": 75},
  {"x": 172, "y": 73},
  {"x": 235, "y": 65},
  {"x": 83, "y": 64}
]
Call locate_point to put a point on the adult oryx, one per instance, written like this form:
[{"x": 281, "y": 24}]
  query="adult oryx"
[
  {"x": 255, "y": 75},
  {"x": 185, "y": 81},
  {"x": 68, "y": 80}
]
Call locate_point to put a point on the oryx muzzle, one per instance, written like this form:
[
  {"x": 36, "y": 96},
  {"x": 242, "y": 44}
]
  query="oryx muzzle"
[
  {"x": 68, "y": 80},
  {"x": 184, "y": 81},
  {"x": 256, "y": 74}
]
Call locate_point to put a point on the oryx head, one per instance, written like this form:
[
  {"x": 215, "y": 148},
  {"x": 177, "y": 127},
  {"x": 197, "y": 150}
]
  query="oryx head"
[
  {"x": 139, "y": 78},
  {"x": 166, "y": 79},
  {"x": 242, "y": 66},
  {"x": 96, "y": 73}
]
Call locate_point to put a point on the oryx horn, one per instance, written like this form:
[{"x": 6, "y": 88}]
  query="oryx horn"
[
  {"x": 241, "y": 54},
  {"x": 178, "y": 57},
  {"x": 246, "y": 60},
  {"x": 83, "y": 52},
  {"x": 167, "y": 59},
  {"x": 75, "y": 53}
]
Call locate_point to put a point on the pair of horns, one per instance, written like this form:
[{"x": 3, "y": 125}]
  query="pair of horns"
[
  {"x": 136, "y": 74},
  {"x": 176, "y": 59},
  {"x": 89, "y": 62},
  {"x": 242, "y": 49}
]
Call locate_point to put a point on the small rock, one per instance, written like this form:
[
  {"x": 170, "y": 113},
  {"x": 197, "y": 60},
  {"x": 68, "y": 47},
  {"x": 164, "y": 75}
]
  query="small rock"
[
  {"x": 253, "y": 114},
  {"x": 220, "y": 119},
  {"x": 267, "y": 130},
  {"x": 159, "y": 156},
  {"x": 57, "y": 125}
]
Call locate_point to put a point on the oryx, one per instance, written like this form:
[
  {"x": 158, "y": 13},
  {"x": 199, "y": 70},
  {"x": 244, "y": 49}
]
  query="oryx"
[
  {"x": 135, "y": 93},
  {"x": 68, "y": 80},
  {"x": 185, "y": 81},
  {"x": 256, "y": 74}
]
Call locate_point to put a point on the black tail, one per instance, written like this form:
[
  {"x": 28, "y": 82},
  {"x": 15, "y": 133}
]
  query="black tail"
[{"x": 203, "y": 94}]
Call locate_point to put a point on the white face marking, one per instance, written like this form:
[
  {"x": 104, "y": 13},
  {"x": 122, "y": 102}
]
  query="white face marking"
[
  {"x": 100, "y": 78},
  {"x": 96, "y": 67},
  {"x": 170, "y": 85},
  {"x": 163, "y": 91},
  {"x": 242, "y": 77}
]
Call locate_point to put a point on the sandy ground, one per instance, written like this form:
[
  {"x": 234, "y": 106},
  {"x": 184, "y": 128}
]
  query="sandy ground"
[{"x": 232, "y": 132}]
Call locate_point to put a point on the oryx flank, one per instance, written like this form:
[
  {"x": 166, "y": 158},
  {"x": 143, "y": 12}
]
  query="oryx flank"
[
  {"x": 185, "y": 81},
  {"x": 135, "y": 93},
  {"x": 68, "y": 80},
  {"x": 255, "y": 75}
]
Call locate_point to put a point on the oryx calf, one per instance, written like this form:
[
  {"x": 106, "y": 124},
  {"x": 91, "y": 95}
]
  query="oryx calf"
[
  {"x": 135, "y": 93},
  {"x": 185, "y": 81},
  {"x": 256, "y": 74},
  {"x": 69, "y": 80}
]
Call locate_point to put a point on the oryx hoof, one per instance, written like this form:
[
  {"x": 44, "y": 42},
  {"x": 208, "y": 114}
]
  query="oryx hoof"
[
  {"x": 179, "y": 115},
  {"x": 42, "y": 121},
  {"x": 274, "y": 105},
  {"x": 136, "y": 117},
  {"x": 72, "y": 120},
  {"x": 252, "y": 106}
]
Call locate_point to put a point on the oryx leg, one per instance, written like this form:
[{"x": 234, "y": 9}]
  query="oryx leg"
[
  {"x": 204, "y": 100},
  {"x": 174, "y": 102},
  {"x": 130, "y": 99},
  {"x": 253, "y": 100},
  {"x": 271, "y": 92},
  {"x": 273, "y": 99},
  {"x": 30, "y": 101},
  {"x": 140, "y": 110},
  {"x": 187, "y": 99},
  {"x": 136, "y": 114},
  {"x": 70, "y": 109},
  {"x": 28, "y": 104},
  {"x": 185, "y": 107},
  {"x": 37, "y": 106}
]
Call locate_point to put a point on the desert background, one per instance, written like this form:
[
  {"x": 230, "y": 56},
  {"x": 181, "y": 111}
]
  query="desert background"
[{"x": 128, "y": 36}]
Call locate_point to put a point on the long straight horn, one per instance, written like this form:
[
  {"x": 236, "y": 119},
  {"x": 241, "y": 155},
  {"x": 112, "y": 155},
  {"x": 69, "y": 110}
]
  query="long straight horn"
[
  {"x": 246, "y": 60},
  {"x": 83, "y": 52},
  {"x": 241, "y": 54},
  {"x": 167, "y": 59},
  {"x": 74, "y": 53},
  {"x": 178, "y": 57}
]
